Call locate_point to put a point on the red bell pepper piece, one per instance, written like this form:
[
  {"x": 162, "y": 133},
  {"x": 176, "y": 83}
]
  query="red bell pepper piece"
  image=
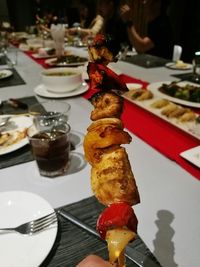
[
  {"x": 115, "y": 216},
  {"x": 103, "y": 78}
]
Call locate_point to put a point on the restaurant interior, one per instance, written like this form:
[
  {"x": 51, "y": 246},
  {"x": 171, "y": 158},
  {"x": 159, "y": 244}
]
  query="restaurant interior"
[{"x": 99, "y": 133}]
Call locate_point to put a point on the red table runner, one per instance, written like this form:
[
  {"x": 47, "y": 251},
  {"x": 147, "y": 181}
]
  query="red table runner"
[{"x": 164, "y": 137}]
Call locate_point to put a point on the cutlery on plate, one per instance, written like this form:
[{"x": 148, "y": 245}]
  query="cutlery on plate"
[
  {"x": 4, "y": 121},
  {"x": 33, "y": 226},
  {"x": 134, "y": 255}
]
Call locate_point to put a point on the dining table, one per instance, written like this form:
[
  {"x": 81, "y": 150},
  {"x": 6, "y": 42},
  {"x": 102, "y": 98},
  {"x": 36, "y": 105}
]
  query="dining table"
[{"x": 169, "y": 211}]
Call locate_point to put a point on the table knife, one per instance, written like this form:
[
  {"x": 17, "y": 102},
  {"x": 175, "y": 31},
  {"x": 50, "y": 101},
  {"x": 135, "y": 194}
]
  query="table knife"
[{"x": 135, "y": 256}]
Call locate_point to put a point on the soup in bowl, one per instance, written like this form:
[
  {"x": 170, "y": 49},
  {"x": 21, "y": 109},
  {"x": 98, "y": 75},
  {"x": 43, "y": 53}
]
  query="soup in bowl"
[{"x": 62, "y": 80}]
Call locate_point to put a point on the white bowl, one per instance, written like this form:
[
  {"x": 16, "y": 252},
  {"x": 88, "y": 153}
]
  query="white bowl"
[{"x": 62, "y": 80}]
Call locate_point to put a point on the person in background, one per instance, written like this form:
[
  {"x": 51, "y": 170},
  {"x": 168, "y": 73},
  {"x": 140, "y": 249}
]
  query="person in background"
[
  {"x": 94, "y": 261},
  {"x": 46, "y": 21},
  {"x": 159, "y": 38},
  {"x": 88, "y": 28},
  {"x": 113, "y": 23}
]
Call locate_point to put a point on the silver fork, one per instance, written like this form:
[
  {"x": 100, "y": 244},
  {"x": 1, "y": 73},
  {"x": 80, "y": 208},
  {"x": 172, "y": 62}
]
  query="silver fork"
[{"x": 33, "y": 226}]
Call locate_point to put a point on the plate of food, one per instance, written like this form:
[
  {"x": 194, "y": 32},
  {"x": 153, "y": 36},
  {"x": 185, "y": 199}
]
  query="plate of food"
[
  {"x": 17, "y": 207},
  {"x": 67, "y": 61},
  {"x": 5, "y": 74},
  {"x": 179, "y": 65},
  {"x": 14, "y": 134},
  {"x": 192, "y": 155},
  {"x": 177, "y": 115},
  {"x": 184, "y": 93}
]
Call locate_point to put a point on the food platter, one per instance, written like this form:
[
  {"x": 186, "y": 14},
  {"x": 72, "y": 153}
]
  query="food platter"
[
  {"x": 74, "y": 60},
  {"x": 5, "y": 74},
  {"x": 189, "y": 127},
  {"x": 154, "y": 88},
  {"x": 175, "y": 66},
  {"x": 14, "y": 133}
]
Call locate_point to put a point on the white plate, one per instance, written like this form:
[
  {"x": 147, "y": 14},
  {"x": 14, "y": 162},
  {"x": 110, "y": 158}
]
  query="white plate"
[
  {"x": 51, "y": 62},
  {"x": 17, "y": 207},
  {"x": 42, "y": 90},
  {"x": 188, "y": 127},
  {"x": 192, "y": 155},
  {"x": 5, "y": 73},
  {"x": 174, "y": 66},
  {"x": 16, "y": 123},
  {"x": 153, "y": 87},
  {"x": 132, "y": 86}
]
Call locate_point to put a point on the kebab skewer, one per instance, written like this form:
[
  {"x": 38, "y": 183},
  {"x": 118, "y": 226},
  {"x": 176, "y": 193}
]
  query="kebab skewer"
[{"x": 112, "y": 179}]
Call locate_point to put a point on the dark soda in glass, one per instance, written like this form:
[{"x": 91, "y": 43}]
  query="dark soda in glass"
[{"x": 51, "y": 151}]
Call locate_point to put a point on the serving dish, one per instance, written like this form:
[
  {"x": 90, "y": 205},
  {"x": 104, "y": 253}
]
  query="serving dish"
[
  {"x": 187, "y": 126},
  {"x": 154, "y": 88},
  {"x": 67, "y": 61},
  {"x": 178, "y": 66},
  {"x": 61, "y": 80}
]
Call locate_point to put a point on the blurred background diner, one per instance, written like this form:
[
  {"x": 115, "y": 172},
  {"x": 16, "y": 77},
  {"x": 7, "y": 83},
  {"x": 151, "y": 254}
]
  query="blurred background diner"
[{"x": 146, "y": 25}]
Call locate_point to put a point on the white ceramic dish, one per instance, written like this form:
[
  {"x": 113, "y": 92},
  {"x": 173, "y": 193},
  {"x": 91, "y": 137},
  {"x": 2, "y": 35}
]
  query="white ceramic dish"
[
  {"x": 17, "y": 207},
  {"x": 57, "y": 83},
  {"x": 153, "y": 87},
  {"x": 174, "y": 66},
  {"x": 42, "y": 90},
  {"x": 52, "y": 62},
  {"x": 16, "y": 123},
  {"x": 192, "y": 155},
  {"x": 187, "y": 127},
  {"x": 5, "y": 74},
  {"x": 132, "y": 86}
]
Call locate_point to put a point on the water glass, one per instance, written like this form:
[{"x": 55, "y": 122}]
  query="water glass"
[
  {"x": 196, "y": 67},
  {"x": 11, "y": 55}
]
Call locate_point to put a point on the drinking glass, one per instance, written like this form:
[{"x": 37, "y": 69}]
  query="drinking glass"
[
  {"x": 196, "y": 67},
  {"x": 49, "y": 137},
  {"x": 11, "y": 56}
]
